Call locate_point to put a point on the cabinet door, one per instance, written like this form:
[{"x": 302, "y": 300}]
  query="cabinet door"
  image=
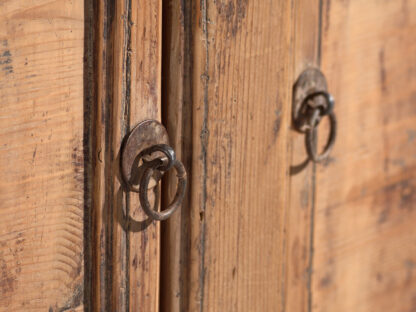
[
  {"x": 264, "y": 229},
  {"x": 76, "y": 76}
]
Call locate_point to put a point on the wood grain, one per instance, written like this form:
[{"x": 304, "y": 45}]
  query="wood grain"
[
  {"x": 145, "y": 97},
  {"x": 41, "y": 155},
  {"x": 177, "y": 117},
  {"x": 128, "y": 91},
  {"x": 299, "y": 224},
  {"x": 364, "y": 242},
  {"x": 241, "y": 82},
  {"x": 102, "y": 88}
]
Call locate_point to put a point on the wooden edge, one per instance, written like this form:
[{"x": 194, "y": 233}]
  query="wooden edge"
[
  {"x": 299, "y": 249},
  {"x": 127, "y": 71},
  {"x": 177, "y": 117}
]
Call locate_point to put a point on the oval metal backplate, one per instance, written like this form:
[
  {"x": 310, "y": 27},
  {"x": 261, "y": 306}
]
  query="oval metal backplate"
[
  {"x": 143, "y": 136},
  {"x": 311, "y": 80}
]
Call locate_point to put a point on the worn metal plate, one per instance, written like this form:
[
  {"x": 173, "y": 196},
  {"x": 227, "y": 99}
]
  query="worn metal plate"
[
  {"x": 310, "y": 81},
  {"x": 143, "y": 136}
]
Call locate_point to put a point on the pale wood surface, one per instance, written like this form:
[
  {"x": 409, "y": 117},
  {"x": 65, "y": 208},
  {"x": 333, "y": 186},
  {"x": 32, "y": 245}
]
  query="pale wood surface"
[
  {"x": 41, "y": 155},
  {"x": 240, "y": 84},
  {"x": 145, "y": 97},
  {"x": 365, "y": 242},
  {"x": 128, "y": 75}
]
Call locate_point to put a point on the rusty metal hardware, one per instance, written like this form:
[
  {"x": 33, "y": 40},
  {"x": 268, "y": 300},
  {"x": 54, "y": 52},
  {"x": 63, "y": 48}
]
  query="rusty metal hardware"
[
  {"x": 311, "y": 102},
  {"x": 146, "y": 157},
  {"x": 180, "y": 191}
]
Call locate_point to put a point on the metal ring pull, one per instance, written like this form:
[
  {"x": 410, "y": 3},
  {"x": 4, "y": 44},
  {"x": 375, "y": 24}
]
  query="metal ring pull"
[
  {"x": 311, "y": 102},
  {"x": 164, "y": 163},
  {"x": 146, "y": 157},
  {"x": 311, "y": 136},
  {"x": 180, "y": 192}
]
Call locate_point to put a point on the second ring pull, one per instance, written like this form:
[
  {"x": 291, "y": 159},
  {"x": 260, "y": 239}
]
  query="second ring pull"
[{"x": 312, "y": 102}]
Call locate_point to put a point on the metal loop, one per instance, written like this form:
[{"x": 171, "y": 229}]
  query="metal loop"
[
  {"x": 311, "y": 135},
  {"x": 180, "y": 191},
  {"x": 329, "y": 99},
  {"x": 165, "y": 149},
  {"x": 160, "y": 163}
]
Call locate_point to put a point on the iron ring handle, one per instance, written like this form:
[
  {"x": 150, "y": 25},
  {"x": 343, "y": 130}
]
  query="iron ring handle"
[
  {"x": 162, "y": 165},
  {"x": 311, "y": 136},
  {"x": 180, "y": 191}
]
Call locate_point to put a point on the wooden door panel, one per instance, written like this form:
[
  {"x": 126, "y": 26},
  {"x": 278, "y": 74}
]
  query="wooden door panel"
[
  {"x": 240, "y": 120},
  {"x": 67, "y": 103},
  {"x": 364, "y": 241},
  {"x": 232, "y": 254},
  {"x": 41, "y": 155}
]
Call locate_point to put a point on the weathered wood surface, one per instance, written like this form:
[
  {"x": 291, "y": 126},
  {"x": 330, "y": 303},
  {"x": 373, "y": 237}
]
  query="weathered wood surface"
[
  {"x": 255, "y": 234},
  {"x": 299, "y": 224},
  {"x": 128, "y": 91},
  {"x": 145, "y": 97},
  {"x": 41, "y": 155},
  {"x": 349, "y": 243},
  {"x": 240, "y": 78},
  {"x": 177, "y": 117},
  {"x": 364, "y": 241}
]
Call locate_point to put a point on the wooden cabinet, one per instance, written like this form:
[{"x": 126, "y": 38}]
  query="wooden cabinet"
[{"x": 261, "y": 228}]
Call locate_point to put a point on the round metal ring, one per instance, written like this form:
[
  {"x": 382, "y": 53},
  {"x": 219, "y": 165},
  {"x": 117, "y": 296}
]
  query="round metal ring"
[
  {"x": 177, "y": 201},
  {"x": 311, "y": 136}
]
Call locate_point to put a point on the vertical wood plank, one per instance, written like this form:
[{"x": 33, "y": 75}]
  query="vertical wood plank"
[
  {"x": 145, "y": 99},
  {"x": 102, "y": 86},
  {"x": 41, "y": 155},
  {"x": 365, "y": 251},
  {"x": 128, "y": 71},
  {"x": 241, "y": 81},
  {"x": 177, "y": 117},
  {"x": 299, "y": 224}
]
